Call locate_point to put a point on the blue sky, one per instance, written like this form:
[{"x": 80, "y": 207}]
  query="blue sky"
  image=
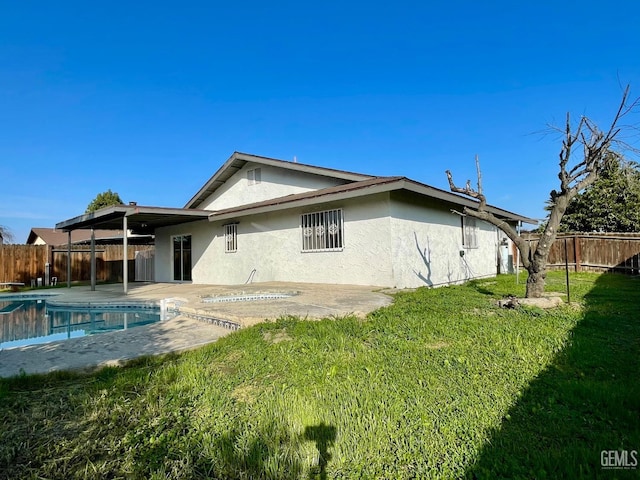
[{"x": 148, "y": 99}]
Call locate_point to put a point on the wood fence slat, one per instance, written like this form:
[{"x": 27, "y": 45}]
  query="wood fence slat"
[
  {"x": 22, "y": 263},
  {"x": 615, "y": 252}
]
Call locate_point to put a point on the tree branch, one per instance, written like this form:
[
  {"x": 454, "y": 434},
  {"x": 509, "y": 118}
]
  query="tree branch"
[
  {"x": 489, "y": 217},
  {"x": 479, "y": 174},
  {"x": 467, "y": 190}
]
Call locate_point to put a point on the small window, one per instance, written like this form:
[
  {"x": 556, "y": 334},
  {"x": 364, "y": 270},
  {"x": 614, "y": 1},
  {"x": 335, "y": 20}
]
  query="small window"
[
  {"x": 231, "y": 238},
  {"x": 322, "y": 231},
  {"x": 469, "y": 232},
  {"x": 254, "y": 176}
]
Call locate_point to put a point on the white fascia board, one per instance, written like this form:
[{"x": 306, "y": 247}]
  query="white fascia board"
[{"x": 103, "y": 212}]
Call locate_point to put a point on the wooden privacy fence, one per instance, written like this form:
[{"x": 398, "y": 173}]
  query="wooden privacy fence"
[
  {"x": 24, "y": 263},
  {"x": 21, "y": 263},
  {"x": 596, "y": 252}
]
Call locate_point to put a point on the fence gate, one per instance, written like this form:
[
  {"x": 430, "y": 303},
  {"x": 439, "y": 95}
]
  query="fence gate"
[{"x": 145, "y": 265}]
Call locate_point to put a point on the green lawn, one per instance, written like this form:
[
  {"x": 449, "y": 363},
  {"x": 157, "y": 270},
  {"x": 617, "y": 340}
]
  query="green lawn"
[{"x": 442, "y": 384}]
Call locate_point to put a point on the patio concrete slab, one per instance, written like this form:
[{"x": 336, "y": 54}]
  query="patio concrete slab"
[{"x": 182, "y": 333}]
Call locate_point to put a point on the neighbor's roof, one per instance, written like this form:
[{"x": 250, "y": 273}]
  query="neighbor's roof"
[
  {"x": 239, "y": 160},
  {"x": 358, "y": 189},
  {"x": 52, "y": 236}
]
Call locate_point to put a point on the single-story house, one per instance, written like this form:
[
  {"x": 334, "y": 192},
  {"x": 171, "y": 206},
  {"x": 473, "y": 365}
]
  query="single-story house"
[{"x": 260, "y": 219}]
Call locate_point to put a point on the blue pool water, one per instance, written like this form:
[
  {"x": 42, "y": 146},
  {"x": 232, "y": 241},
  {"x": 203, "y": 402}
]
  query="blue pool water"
[{"x": 30, "y": 321}]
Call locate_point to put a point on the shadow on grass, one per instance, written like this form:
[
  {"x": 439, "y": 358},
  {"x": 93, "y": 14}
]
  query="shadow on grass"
[
  {"x": 167, "y": 442},
  {"x": 323, "y": 435},
  {"x": 586, "y": 402},
  {"x": 261, "y": 456}
]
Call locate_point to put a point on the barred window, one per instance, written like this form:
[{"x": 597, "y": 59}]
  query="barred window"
[
  {"x": 322, "y": 231},
  {"x": 469, "y": 232},
  {"x": 231, "y": 238}
]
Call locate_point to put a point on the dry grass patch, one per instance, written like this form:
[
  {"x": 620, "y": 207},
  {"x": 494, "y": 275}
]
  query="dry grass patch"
[
  {"x": 245, "y": 393},
  {"x": 228, "y": 365},
  {"x": 276, "y": 336}
]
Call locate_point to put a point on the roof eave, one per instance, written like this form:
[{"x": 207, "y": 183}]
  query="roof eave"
[
  {"x": 398, "y": 184},
  {"x": 463, "y": 201},
  {"x": 76, "y": 222},
  {"x": 105, "y": 218}
]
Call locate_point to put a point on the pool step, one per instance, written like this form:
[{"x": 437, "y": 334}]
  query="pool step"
[{"x": 12, "y": 307}]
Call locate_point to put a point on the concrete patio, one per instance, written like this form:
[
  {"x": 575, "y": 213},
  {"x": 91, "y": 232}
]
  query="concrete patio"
[{"x": 183, "y": 332}]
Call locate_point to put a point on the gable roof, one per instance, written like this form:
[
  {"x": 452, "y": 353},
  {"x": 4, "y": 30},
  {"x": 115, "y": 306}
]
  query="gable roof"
[
  {"x": 144, "y": 220},
  {"x": 239, "y": 160},
  {"x": 357, "y": 189}
]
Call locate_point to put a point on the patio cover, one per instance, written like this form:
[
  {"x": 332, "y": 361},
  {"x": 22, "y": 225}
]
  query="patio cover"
[{"x": 138, "y": 219}]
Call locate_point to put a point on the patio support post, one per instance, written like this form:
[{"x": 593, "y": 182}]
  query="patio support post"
[
  {"x": 69, "y": 259},
  {"x": 93, "y": 260},
  {"x": 125, "y": 259}
]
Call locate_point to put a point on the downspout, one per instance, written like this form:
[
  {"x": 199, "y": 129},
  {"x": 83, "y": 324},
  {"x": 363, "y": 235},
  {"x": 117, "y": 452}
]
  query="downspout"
[
  {"x": 498, "y": 257},
  {"x": 518, "y": 253}
]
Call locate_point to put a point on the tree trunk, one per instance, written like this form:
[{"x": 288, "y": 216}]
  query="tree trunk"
[
  {"x": 537, "y": 268},
  {"x": 535, "y": 282}
]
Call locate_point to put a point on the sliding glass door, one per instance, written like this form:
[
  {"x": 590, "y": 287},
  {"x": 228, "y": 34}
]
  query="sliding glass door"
[{"x": 182, "y": 258}]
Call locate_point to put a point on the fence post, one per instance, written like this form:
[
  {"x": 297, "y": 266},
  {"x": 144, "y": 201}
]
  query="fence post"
[
  {"x": 566, "y": 269},
  {"x": 69, "y": 259},
  {"x": 50, "y": 260},
  {"x": 576, "y": 252}
]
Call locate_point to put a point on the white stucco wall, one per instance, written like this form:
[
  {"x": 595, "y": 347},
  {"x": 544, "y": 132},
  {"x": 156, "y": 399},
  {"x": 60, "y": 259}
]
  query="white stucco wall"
[
  {"x": 271, "y": 245},
  {"x": 427, "y": 243},
  {"x": 199, "y": 231},
  {"x": 389, "y": 240},
  {"x": 275, "y": 182}
]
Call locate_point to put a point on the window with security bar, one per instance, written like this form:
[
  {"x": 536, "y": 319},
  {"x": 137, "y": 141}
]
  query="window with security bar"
[
  {"x": 231, "y": 238},
  {"x": 322, "y": 231}
]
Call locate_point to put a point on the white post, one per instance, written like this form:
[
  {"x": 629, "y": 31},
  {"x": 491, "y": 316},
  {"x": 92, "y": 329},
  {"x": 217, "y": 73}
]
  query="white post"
[
  {"x": 125, "y": 259},
  {"x": 93, "y": 260},
  {"x": 69, "y": 259}
]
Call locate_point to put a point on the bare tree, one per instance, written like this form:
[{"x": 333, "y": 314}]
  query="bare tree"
[
  {"x": 574, "y": 177},
  {"x": 5, "y": 235}
]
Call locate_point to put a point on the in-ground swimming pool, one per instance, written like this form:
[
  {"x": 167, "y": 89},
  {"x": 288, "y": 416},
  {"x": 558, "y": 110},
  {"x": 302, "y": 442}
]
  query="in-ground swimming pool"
[{"x": 30, "y": 320}]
